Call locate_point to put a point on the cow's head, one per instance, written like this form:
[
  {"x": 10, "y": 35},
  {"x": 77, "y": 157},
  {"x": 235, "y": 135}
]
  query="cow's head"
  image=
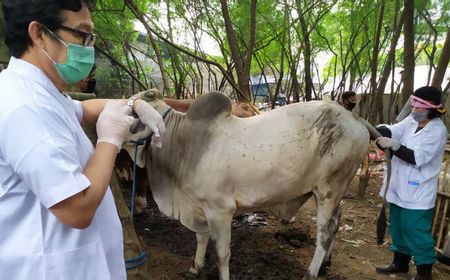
[{"x": 154, "y": 97}]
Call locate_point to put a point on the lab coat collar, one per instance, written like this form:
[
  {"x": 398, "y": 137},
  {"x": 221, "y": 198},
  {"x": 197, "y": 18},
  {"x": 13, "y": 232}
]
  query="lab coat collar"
[
  {"x": 33, "y": 73},
  {"x": 427, "y": 127}
]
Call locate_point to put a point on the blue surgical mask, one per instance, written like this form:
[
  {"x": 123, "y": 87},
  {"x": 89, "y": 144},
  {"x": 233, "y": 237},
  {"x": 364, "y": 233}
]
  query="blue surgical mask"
[
  {"x": 79, "y": 63},
  {"x": 419, "y": 116}
]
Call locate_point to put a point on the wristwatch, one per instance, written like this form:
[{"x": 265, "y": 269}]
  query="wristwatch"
[{"x": 130, "y": 104}]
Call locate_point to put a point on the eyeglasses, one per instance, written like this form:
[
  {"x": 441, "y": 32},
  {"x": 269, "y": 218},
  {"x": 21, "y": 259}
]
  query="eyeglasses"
[{"x": 88, "y": 38}]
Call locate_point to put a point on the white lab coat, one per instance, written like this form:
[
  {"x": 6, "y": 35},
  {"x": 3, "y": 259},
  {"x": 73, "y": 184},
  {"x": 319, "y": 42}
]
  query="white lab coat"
[
  {"x": 43, "y": 151},
  {"x": 415, "y": 186}
]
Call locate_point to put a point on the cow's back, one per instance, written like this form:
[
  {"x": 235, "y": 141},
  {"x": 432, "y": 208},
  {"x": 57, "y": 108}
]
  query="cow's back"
[
  {"x": 213, "y": 165},
  {"x": 272, "y": 157},
  {"x": 255, "y": 162}
]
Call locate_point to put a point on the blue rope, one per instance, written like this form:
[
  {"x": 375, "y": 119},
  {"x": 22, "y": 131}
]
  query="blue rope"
[
  {"x": 140, "y": 259},
  {"x": 133, "y": 188},
  {"x": 136, "y": 261},
  {"x": 140, "y": 142}
]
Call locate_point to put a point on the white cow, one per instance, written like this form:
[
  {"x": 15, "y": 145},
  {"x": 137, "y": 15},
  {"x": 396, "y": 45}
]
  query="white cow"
[{"x": 213, "y": 166}]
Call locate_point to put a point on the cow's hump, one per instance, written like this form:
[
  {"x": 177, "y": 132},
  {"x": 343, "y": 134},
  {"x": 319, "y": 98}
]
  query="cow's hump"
[{"x": 209, "y": 106}]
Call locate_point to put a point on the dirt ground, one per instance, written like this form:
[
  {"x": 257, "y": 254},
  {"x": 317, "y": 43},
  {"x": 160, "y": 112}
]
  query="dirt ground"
[{"x": 265, "y": 249}]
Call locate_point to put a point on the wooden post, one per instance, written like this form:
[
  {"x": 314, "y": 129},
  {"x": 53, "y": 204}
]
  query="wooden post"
[
  {"x": 363, "y": 179},
  {"x": 81, "y": 96},
  {"x": 441, "y": 227},
  {"x": 132, "y": 245}
]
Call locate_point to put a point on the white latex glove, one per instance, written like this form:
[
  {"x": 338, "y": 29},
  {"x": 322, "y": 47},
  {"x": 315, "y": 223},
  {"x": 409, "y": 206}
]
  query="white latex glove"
[
  {"x": 386, "y": 143},
  {"x": 152, "y": 119},
  {"x": 113, "y": 125}
]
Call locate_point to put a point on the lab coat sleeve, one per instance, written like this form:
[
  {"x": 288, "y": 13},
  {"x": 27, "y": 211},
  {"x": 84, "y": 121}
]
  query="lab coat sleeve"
[
  {"x": 431, "y": 144},
  {"x": 398, "y": 129},
  {"x": 41, "y": 149},
  {"x": 78, "y": 110}
]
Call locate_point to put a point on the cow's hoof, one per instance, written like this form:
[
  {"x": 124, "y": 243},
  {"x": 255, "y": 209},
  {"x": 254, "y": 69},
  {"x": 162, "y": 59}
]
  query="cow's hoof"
[
  {"x": 308, "y": 276},
  {"x": 141, "y": 203},
  {"x": 287, "y": 222},
  {"x": 139, "y": 210},
  {"x": 323, "y": 268},
  {"x": 194, "y": 270},
  {"x": 189, "y": 275}
]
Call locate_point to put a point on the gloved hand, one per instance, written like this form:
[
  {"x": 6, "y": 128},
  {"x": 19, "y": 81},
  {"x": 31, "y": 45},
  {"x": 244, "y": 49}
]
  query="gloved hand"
[
  {"x": 113, "y": 125},
  {"x": 386, "y": 142},
  {"x": 152, "y": 119}
]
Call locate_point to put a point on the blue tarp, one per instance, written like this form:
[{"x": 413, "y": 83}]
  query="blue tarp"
[{"x": 260, "y": 90}]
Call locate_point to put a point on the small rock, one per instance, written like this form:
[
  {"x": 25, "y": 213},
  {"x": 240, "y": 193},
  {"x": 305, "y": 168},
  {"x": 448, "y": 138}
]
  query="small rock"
[{"x": 295, "y": 243}]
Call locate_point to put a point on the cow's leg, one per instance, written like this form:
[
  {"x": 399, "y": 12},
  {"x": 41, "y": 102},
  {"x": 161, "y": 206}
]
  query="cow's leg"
[
  {"x": 287, "y": 210},
  {"x": 327, "y": 260},
  {"x": 328, "y": 216},
  {"x": 199, "y": 261},
  {"x": 141, "y": 203},
  {"x": 219, "y": 223},
  {"x": 141, "y": 190}
]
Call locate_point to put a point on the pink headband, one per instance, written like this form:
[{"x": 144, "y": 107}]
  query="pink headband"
[{"x": 423, "y": 104}]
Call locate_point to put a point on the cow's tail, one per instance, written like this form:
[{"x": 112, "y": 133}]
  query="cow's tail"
[{"x": 382, "y": 220}]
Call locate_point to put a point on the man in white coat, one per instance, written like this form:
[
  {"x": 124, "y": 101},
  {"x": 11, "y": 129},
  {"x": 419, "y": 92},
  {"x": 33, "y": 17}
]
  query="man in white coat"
[
  {"x": 418, "y": 144},
  {"x": 58, "y": 219}
]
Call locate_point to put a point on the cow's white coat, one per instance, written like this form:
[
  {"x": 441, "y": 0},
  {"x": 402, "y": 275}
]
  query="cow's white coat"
[{"x": 210, "y": 169}]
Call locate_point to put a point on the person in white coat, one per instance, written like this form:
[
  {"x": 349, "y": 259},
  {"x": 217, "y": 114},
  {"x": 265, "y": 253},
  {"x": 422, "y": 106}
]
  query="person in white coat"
[
  {"x": 418, "y": 144},
  {"x": 58, "y": 219}
]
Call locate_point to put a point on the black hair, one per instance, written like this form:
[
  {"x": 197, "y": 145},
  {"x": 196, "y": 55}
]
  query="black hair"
[
  {"x": 433, "y": 113},
  {"x": 432, "y": 95},
  {"x": 18, "y": 14},
  {"x": 347, "y": 94}
]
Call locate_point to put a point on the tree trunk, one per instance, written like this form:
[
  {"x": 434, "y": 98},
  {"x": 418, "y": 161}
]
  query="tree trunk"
[
  {"x": 179, "y": 74},
  {"x": 282, "y": 58},
  {"x": 408, "y": 59},
  {"x": 160, "y": 60},
  {"x": 306, "y": 58},
  {"x": 439, "y": 74},
  {"x": 120, "y": 65},
  {"x": 305, "y": 34},
  {"x": 374, "y": 65},
  {"x": 80, "y": 96},
  {"x": 250, "y": 46},
  {"x": 378, "y": 104},
  {"x": 242, "y": 64},
  {"x": 295, "y": 85}
]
